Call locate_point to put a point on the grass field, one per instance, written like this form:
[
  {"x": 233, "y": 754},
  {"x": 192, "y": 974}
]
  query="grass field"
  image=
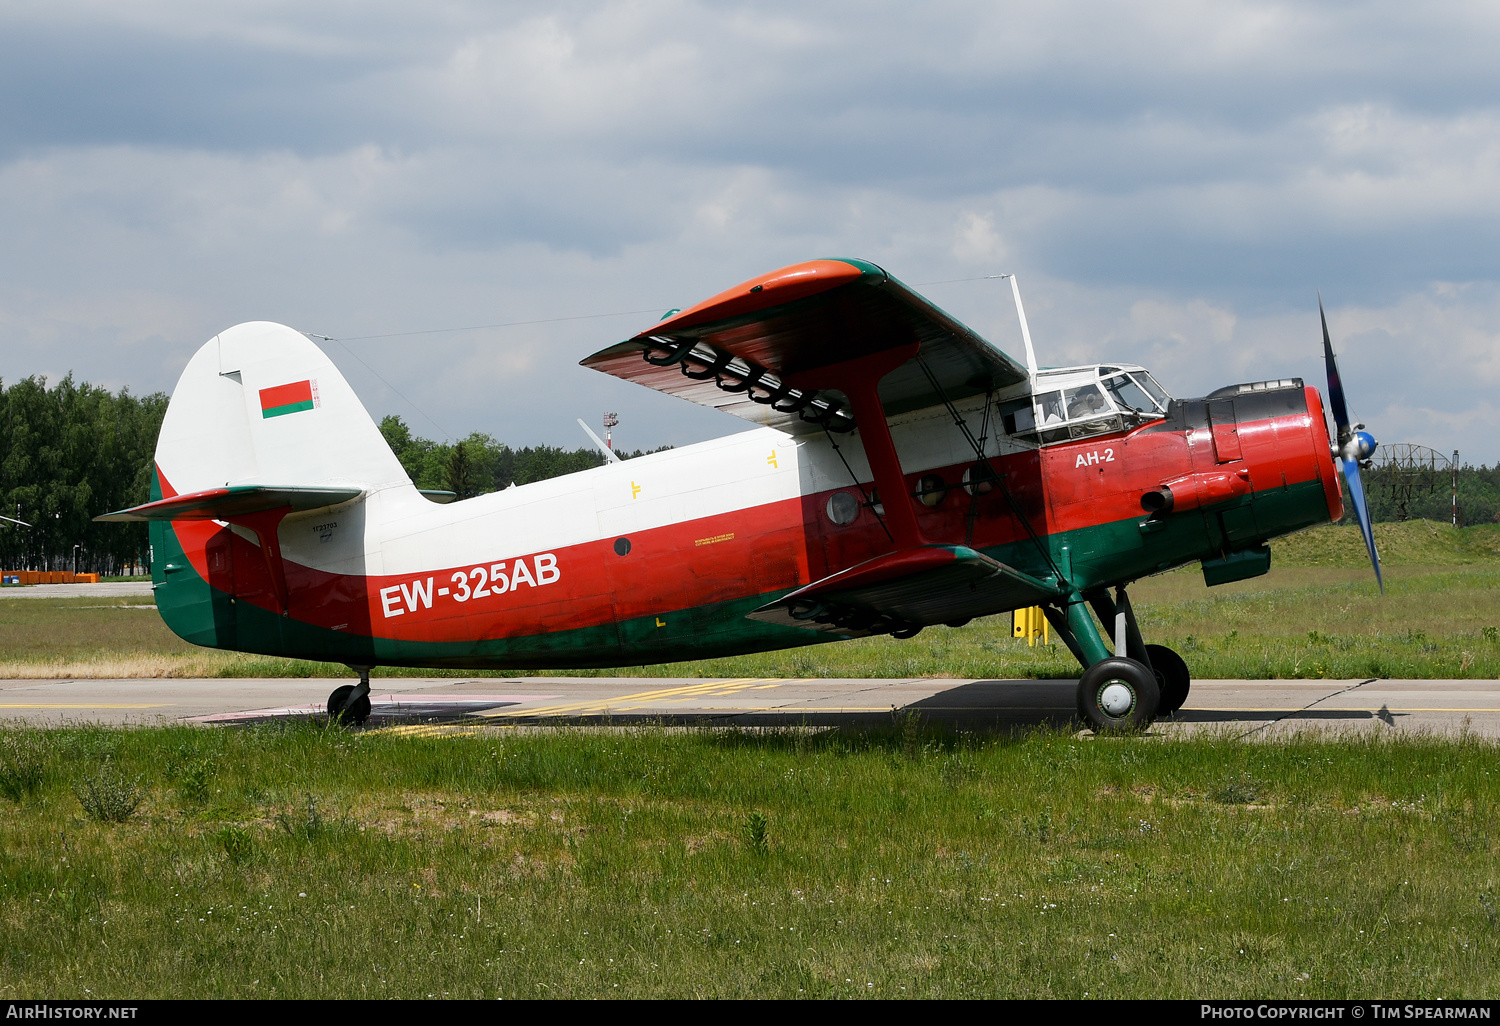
[
  {"x": 293, "y": 861},
  {"x": 1316, "y": 614}
]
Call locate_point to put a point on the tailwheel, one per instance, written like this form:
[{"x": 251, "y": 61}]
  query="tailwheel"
[
  {"x": 1118, "y": 694},
  {"x": 347, "y": 705},
  {"x": 1172, "y": 677}
]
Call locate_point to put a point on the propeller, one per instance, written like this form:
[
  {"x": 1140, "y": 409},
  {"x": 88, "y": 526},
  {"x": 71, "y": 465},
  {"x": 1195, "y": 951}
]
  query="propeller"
[{"x": 1354, "y": 447}]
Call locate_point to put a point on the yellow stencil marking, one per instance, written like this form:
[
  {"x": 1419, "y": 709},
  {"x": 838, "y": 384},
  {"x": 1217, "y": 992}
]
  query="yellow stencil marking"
[
  {"x": 771, "y": 459},
  {"x": 715, "y": 539},
  {"x": 635, "y": 490},
  {"x": 660, "y": 622}
]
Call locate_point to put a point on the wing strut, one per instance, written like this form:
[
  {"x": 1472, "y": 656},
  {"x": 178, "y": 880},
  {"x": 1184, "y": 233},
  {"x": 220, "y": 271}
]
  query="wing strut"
[
  {"x": 984, "y": 461},
  {"x": 859, "y": 380}
]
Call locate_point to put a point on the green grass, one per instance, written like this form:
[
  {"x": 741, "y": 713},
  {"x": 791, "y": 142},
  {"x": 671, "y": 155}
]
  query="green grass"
[
  {"x": 292, "y": 861},
  {"x": 1317, "y": 614}
]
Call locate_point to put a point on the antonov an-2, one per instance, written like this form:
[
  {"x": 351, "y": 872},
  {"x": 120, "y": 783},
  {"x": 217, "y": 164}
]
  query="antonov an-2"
[{"x": 905, "y": 473}]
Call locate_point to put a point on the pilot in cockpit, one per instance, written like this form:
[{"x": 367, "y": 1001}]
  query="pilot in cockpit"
[{"x": 1085, "y": 402}]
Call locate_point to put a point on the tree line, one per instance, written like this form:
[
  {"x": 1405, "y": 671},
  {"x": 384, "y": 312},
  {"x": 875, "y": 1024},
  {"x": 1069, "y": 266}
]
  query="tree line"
[
  {"x": 1430, "y": 496},
  {"x": 67, "y": 454},
  {"x": 72, "y": 450},
  {"x": 479, "y": 464}
]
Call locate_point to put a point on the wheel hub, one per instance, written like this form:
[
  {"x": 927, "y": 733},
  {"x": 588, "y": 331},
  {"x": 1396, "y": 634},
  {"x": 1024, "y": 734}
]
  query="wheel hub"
[{"x": 1116, "y": 698}]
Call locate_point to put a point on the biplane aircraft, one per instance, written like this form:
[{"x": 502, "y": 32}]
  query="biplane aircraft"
[{"x": 905, "y": 473}]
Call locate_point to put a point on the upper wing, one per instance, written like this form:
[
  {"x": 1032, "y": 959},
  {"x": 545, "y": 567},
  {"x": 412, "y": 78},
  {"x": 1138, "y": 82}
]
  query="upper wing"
[{"x": 736, "y": 351}]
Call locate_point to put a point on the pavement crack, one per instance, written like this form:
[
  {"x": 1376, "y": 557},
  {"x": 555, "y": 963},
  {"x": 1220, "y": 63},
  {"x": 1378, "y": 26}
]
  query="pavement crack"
[{"x": 1309, "y": 705}]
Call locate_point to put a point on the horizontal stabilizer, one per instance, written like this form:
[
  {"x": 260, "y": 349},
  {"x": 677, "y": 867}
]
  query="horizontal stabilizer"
[
  {"x": 236, "y": 500},
  {"x": 910, "y": 588}
]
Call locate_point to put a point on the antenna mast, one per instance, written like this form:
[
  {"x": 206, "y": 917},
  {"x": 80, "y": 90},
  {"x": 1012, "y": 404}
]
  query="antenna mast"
[{"x": 1015, "y": 290}]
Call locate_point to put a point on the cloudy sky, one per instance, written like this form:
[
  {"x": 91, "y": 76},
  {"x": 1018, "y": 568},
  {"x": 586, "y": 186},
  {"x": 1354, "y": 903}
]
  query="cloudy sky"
[{"x": 1172, "y": 182}]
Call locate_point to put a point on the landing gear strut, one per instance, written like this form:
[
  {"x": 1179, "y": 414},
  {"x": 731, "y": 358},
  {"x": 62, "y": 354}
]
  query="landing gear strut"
[
  {"x": 1123, "y": 689},
  {"x": 350, "y": 703}
]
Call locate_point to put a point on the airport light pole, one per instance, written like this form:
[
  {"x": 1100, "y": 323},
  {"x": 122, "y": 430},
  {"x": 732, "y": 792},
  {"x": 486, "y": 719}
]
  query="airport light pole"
[{"x": 1455, "y": 487}]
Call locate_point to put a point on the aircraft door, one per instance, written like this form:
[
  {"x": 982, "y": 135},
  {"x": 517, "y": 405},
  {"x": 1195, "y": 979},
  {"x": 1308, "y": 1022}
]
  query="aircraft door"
[
  {"x": 1225, "y": 427},
  {"x": 220, "y": 554},
  {"x": 1237, "y": 523}
]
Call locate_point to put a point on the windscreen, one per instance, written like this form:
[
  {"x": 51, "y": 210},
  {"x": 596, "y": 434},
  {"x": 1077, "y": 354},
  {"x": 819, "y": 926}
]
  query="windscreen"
[
  {"x": 1156, "y": 392},
  {"x": 1129, "y": 395}
]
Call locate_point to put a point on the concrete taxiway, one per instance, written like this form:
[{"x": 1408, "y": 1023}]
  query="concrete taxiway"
[
  {"x": 104, "y": 589},
  {"x": 1241, "y": 707}
]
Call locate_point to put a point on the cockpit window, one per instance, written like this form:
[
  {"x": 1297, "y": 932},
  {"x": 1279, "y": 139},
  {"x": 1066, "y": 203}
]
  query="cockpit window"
[
  {"x": 1050, "y": 406},
  {"x": 1101, "y": 400},
  {"x": 1156, "y": 392},
  {"x": 1085, "y": 401},
  {"x": 1129, "y": 395}
]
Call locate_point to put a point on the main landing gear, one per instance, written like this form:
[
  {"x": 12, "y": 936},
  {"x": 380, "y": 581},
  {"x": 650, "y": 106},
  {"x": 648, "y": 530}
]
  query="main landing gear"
[
  {"x": 351, "y": 702},
  {"x": 1126, "y": 689}
]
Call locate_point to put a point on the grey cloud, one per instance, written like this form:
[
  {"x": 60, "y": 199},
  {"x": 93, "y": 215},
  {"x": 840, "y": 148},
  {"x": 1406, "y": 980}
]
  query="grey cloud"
[{"x": 1172, "y": 181}]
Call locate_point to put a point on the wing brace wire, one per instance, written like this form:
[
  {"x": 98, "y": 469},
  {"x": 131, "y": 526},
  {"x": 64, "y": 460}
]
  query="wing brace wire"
[{"x": 984, "y": 461}]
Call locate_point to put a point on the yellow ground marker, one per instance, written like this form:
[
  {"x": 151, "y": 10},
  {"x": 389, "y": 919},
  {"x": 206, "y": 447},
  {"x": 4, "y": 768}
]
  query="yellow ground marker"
[
  {"x": 426, "y": 730},
  {"x": 620, "y": 703}
]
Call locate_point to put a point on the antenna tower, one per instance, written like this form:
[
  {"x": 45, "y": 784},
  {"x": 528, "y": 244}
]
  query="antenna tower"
[
  {"x": 1407, "y": 472},
  {"x": 610, "y": 420}
]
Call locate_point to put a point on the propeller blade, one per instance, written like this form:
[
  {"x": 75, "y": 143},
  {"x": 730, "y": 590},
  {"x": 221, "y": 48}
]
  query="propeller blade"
[
  {"x": 1335, "y": 384},
  {"x": 1362, "y": 514}
]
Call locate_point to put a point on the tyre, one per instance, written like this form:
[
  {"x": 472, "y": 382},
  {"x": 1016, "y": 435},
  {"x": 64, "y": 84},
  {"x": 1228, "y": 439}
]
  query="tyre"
[
  {"x": 1118, "y": 694},
  {"x": 1172, "y": 677},
  {"x": 356, "y": 715}
]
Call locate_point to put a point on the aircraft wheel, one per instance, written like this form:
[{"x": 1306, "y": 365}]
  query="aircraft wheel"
[
  {"x": 1118, "y": 694},
  {"x": 357, "y": 715},
  {"x": 1172, "y": 676}
]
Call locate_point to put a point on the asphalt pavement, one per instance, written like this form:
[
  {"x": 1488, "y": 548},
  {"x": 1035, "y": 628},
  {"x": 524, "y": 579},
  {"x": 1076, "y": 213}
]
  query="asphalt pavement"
[{"x": 1252, "y": 708}]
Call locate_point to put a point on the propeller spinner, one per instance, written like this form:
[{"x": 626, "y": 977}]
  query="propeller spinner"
[{"x": 1354, "y": 448}]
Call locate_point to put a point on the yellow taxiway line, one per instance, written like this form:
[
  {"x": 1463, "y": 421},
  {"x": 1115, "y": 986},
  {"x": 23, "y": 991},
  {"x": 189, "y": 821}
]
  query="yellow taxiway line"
[{"x": 619, "y": 703}]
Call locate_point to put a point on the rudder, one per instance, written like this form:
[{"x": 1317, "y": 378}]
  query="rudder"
[{"x": 261, "y": 404}]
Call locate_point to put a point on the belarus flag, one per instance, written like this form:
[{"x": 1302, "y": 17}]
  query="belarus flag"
[{"x": 292, "y": 398}]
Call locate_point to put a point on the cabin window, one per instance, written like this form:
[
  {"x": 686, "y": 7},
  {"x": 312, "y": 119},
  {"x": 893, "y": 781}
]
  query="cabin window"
[
  {"x": 1016, "y": 421},
  {"x": 1050, "y": 406},
  {"x": 842, "y": 508},
  {"x": 931, "y": 490},
  {"x": 979, "y": 479}
]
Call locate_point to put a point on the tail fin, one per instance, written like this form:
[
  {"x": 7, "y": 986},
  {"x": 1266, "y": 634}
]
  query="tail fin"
[{"x": 260, "y": 404}]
